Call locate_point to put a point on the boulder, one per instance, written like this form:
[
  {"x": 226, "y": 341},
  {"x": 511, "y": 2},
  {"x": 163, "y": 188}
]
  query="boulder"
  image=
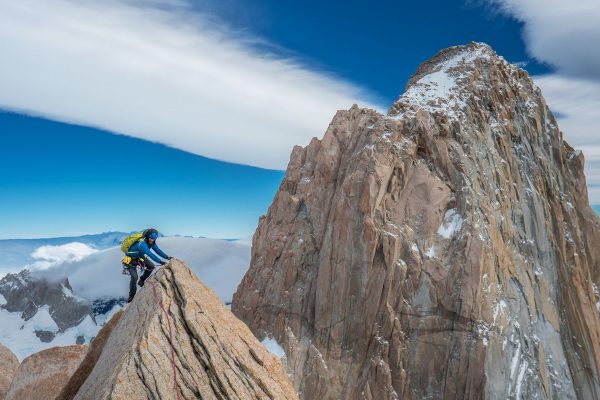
[
  {"x": 8, "y": 367},
  {"x": 42, "y": 375}
]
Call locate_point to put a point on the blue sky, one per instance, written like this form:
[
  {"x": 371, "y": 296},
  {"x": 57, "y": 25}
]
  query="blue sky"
[
  {"x": 61, "y": 179},
  {"x": 182, "y": 115},
  {"x": 381, "y": 45}
]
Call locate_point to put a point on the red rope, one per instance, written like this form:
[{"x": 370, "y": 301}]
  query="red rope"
[{"x": 170, "y": 339}]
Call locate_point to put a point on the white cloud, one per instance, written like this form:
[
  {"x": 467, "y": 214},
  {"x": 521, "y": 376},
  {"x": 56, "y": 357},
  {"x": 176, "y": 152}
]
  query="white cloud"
[
  {"x": 162, "y": 72},
  {"x": 220, "y": 265},
  {"x": 566, "y": 35},
  {"x": 49, "y": 256}
]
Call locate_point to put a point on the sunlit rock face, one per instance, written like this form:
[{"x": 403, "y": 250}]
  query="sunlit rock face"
[{"x": 443, "y": 250}]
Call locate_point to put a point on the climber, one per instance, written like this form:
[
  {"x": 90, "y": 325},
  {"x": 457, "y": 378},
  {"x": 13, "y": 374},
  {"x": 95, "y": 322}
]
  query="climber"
[{"x": 137, "y": 254}]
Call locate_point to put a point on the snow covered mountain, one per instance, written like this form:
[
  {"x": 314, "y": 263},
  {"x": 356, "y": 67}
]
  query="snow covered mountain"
[
  {"x": 17, "y": 253},
  {"x": 66, "y": 301}
]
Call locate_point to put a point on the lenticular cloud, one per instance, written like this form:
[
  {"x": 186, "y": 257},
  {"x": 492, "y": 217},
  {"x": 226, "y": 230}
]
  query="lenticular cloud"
[
  {"x": 161, "y": 71},
  {"x": 49, "y": 256}
]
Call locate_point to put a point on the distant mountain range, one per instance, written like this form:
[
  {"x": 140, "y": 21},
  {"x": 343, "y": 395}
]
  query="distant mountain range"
[{"x": 67, "y": 301}]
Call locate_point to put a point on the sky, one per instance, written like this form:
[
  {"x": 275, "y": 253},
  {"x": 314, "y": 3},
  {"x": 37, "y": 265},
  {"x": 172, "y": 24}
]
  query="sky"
[
  {"x": 178, "y": 114},
  {"x": 73, "y": 180}
]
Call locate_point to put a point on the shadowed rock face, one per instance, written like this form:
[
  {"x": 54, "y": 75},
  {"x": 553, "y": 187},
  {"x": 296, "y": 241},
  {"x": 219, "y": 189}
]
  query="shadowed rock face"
[
  {"x": 42, "y": 375},
  {"x": 8, "y": 366},
  {"x": 444, "y": 250},
  {"x": 87, "y": 364},
  {"x": 215, "y": 355}
]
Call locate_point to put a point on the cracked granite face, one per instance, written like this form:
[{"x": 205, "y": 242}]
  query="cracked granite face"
[{"x": 445, "y": 249}]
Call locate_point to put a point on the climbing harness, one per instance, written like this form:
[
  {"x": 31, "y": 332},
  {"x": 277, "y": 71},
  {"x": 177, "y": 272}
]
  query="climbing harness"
[{"x": 126, "y": 262}]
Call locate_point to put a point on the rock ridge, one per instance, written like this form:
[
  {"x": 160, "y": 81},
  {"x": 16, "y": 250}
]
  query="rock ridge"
[
  {"x": 213, "y": 355},
  {"x": 446, "y": 249}
]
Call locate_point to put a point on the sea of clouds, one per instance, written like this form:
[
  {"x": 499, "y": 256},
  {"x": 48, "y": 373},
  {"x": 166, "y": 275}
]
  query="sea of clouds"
[{"x": 96, "y": 275}]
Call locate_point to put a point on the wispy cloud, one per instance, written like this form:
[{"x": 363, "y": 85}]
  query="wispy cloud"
[
  {"x": 566, "y": 36},
  {"x": 160, "y": 71}
]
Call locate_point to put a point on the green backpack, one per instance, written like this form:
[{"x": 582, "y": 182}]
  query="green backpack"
[{"x": 129, "y": 240}]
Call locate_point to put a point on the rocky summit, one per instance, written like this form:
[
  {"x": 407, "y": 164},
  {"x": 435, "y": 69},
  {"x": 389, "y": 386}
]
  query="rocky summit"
[
  {"x": 177, "y": 340},
  {"x": 445, "y": 250}
]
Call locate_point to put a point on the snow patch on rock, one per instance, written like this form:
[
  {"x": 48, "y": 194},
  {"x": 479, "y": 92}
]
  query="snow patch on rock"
[
  {"x": 430, "y": 252},
  {"x": 440, "y": 90},
  {"x": 69, "y": 294},
  {"x": 515, "y": 360},
  {"x": 451, "y": 224},
  {"x": 271, "y": 344},
  {"x": 102, "y": 319},
  {"x": 522, "y": 371},
  {"x": 499, "y": 309},
  {"x": 41, "y": 321},
  {"x": 597, "y": 294}
]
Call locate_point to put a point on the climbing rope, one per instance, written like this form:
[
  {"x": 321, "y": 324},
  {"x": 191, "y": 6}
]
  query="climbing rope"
[{"x": 170, "y": 338}]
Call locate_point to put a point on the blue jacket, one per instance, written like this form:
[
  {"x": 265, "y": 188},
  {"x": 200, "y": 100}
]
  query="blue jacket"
[{"x": 140, "y": 248}]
